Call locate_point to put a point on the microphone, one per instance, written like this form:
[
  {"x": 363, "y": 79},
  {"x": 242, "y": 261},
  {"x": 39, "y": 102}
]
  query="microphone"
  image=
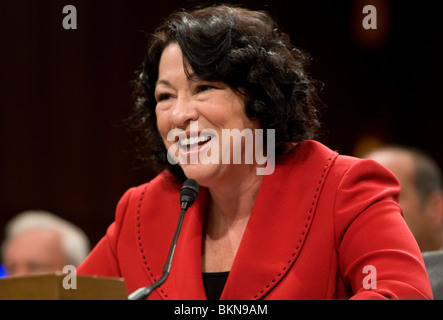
[{"x": 188, "y": 194}]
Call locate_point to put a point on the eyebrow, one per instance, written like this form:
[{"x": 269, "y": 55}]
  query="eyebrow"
[
  {"x": 167, "y": 83},
  {"x": 163, "y": 81}
]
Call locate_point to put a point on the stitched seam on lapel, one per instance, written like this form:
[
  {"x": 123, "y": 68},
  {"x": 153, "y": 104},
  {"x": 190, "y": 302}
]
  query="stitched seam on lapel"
[
  {"x": 140, "y": 246},
  {"x": 304, "y": 233}
]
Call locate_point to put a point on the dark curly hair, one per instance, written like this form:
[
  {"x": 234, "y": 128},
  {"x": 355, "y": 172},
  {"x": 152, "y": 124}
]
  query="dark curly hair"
[{"x": 244, "y": 49}]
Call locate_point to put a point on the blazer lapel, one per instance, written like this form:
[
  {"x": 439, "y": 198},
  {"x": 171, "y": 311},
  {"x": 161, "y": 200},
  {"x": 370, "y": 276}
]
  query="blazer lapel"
[
  {"x": 279, "y": 222},
  {"x": 185, "y": 278}
]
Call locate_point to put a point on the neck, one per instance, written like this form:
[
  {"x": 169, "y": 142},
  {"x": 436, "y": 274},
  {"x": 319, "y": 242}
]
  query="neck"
[
  {"x": 227, "y": 214},
  {"x": 234, "y": 201}
]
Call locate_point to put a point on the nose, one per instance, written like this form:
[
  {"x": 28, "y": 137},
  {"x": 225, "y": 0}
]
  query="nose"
[{"x": 184, "y": 111}]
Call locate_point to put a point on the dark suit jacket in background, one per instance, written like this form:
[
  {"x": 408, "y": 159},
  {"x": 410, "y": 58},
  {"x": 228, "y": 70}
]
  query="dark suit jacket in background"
[{"x": 434, "y": 266}]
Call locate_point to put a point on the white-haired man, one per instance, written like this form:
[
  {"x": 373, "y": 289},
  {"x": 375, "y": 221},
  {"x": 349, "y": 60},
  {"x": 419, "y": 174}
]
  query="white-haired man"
[{"x": 41, "y": 242}]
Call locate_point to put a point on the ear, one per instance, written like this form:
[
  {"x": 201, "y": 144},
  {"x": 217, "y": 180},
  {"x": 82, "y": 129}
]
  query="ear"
[{"x": 434, "y": 209}]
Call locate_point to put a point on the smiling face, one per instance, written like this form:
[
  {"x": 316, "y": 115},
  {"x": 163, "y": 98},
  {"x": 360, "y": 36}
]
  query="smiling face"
[{"x": 193, "y": 105}]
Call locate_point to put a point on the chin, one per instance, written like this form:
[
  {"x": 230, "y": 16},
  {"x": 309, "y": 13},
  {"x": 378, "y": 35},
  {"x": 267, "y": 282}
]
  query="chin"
[{"x": 204, "y": 174}]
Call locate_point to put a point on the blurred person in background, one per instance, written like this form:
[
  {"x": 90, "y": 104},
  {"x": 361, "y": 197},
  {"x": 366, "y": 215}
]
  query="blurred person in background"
[
  {"x": 40, "y": 242},
  {"x": 421, "y": 196}
]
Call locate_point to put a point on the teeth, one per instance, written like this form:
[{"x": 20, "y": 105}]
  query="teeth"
[{"x": 194, "y": 140}]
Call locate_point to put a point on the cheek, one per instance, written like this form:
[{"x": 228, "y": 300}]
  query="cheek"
[
  {"x": 163, "y": 123},
  {"x": 238, "y": 113},
  {"x": 230, "y": 116}
]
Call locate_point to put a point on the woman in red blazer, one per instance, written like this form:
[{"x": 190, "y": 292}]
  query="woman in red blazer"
[{"x": 306, "y": 223}]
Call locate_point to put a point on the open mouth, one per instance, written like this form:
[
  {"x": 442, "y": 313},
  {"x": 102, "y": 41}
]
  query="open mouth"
[{"x": 194, "y": 142}]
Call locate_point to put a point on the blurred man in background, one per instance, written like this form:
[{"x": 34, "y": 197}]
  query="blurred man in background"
[
  {"x": 41, "y": 242},
  {"x": 421, "y": 196}
]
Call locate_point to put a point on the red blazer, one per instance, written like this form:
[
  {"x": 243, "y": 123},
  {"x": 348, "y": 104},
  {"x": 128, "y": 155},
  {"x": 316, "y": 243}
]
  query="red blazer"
[{"x": 318, "y": 223}]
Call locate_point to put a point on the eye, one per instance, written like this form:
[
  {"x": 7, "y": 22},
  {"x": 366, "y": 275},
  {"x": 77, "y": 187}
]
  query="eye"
[
  {"x": 204, "y": 87},
  {"x": 161, "y": 97}
]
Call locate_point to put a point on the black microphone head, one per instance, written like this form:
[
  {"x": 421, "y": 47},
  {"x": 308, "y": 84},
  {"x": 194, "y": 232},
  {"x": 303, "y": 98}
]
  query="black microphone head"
[{"x": 188, "y": 192}]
